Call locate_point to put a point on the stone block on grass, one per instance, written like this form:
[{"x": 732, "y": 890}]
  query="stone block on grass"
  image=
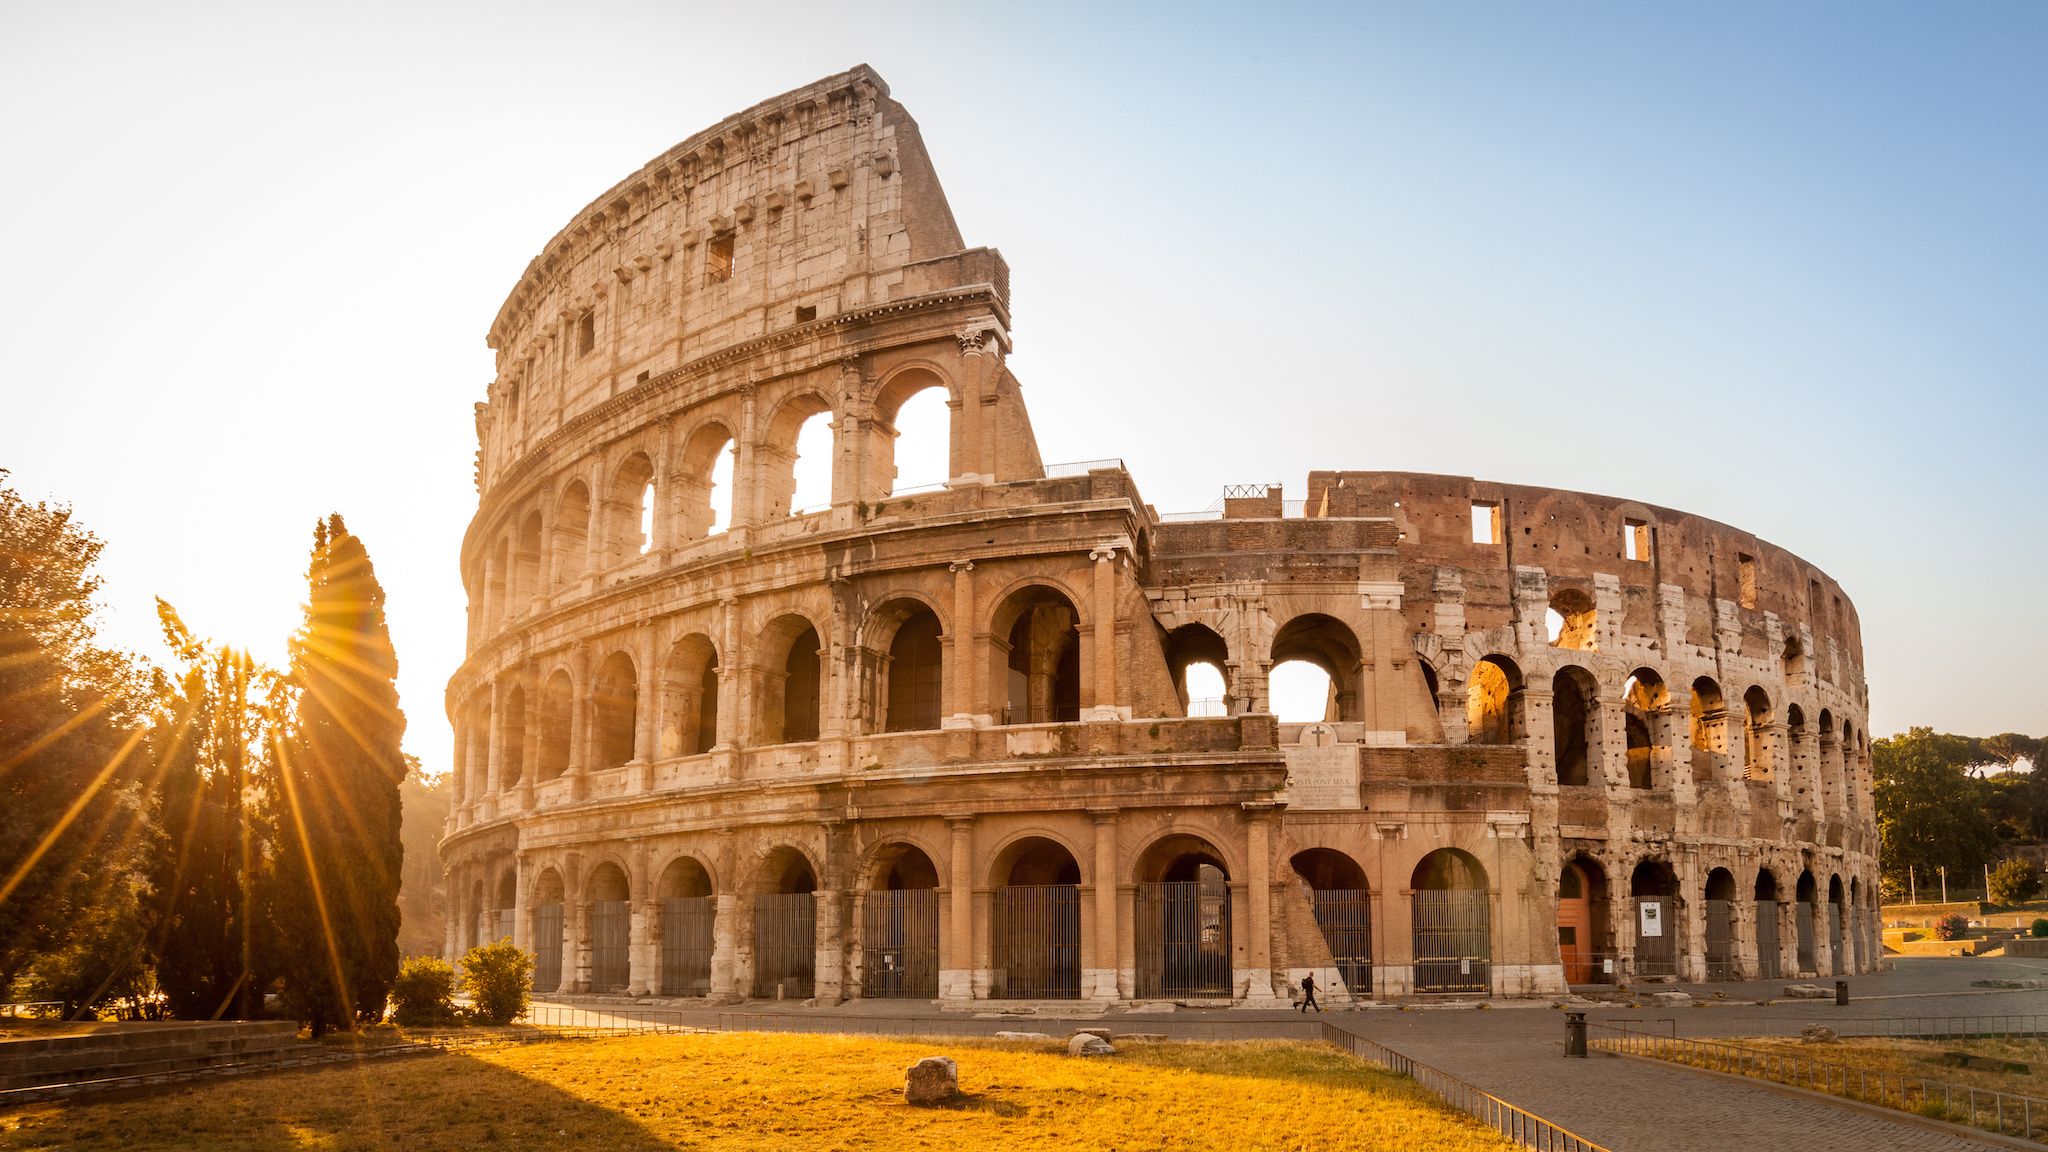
[{"x": 931, "y": 1080}]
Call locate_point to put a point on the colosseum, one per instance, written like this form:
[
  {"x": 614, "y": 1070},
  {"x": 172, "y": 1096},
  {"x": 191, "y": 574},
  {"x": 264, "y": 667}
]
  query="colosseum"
[{"x": 950, "y": 743}]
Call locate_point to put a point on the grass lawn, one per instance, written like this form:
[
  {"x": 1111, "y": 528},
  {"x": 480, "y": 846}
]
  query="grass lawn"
[{"x": 765, "y": 1091}]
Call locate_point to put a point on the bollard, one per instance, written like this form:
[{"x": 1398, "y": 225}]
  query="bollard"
[
  {"x": 1575, "y": 1033},
  {"x": 1842, "y": 993}
]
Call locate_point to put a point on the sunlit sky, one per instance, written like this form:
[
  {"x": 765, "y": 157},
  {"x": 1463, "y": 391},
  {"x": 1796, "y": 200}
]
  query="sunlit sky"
[{"x": 1778, "y": 265}]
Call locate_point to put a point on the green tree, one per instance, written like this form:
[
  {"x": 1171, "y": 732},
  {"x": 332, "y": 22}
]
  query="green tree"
[
  {"x": 1930, "y": 810},
  {"x": 2014, "y": 882},
  {"x": 499, "y": 977},
  {"x": 69, "y": 725},
  {"x": 337, "y": 773}
]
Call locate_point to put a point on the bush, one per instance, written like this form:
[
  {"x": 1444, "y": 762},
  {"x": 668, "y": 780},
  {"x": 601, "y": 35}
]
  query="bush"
[
  {"x": 498, "y": 977},
  {"x": 1953, "y": 926},
  {"x": 2014, "y": 882},
  {"x": 2040, "y": 928},
  {"x": 424, "y": 993}
]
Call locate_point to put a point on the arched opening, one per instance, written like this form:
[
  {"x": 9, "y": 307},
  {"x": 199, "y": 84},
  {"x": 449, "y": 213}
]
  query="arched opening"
[
  {"x": 1654, "y": 888},
  {"x": 910, "y": 442},
  {"x": 1453, "y": 923},
  {"x": 1832, "y": 754},
  {"x": 1042, "y": 657},
  {"x": 1642, "y": 697},
  {"x": 611, "y": 929},
  {"x": 790, "y": 701},
  {"x": 471, "y": 918},
  {"x": 804, "y": 422},
  {"x": 496, "y": 576},
  {"x": 1197, "y": 657},
  {"x": 1835, "y": 939},
  {"x": 1798, "y": 753},
  {"x": 1793, "y": 660},
  {"x": 689, "y": 705},
  {"x": 1709, "y": 728},
  {"x": 513, "y": 754},
  {"x": 1183, "y": 925},
  {"x": 785, "y": 926},
  {"x": 615, "y": 697},
  {"x": 1571, "y": 620},
  {"x": 526, "y": 583},
  {"x": 1314, "y": 652},
  {"x": 1575, "y": 724},
  {"x": 914, "y": 673},
  {"x": 1768, "y": 966},
  {"x": 900, "y": 926},
  {"x": 1720, "y": 909},
  {"x": 504, "y": 903},
  {"x": 702, "y": 482},
  {"x": 1493, "y": 702},
  {"x": 1857, "y": 923},
  {"x": 1037, "y": 922},
  {"x": 547, "y": 932},
  {"x": 689, "y": 915},
  {"x": 1802, "y": 917},
  {"x": 628, "y": 506},
  {"x": 572, "y": 532},
  {"x": 557, "y": 702},
  {"x": 1757, "y": 760},
  {"x": 1337, "y": 893},
  {"x": 1581, "y": 922}
]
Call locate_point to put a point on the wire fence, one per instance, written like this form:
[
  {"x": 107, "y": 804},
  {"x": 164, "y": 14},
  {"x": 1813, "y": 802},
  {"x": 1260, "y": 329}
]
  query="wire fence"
[
  {"x": 2005, "y": 1113},
  {"x": 1523, "y": 1127},
  {"x": 1052, "y": 1027},
  {"x": 1946, "y": 1027}
]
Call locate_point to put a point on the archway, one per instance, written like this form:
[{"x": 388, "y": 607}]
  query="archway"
[
  {"x": 1757, "y": 761},
  {"x": 1324, "y": 643},
  {"x": 1453, "y": 919},
  {"x": 1768, "y": 962},
  {"x": 1805, "y": 891},
  {"x": 1183, "y": 920},
  {"x": 615, "y": 701},
  {"x": 526, "y": 583},
  {"x": 1720, "y": 910},
  {"x": 1037, "y": 922},
  {"x": 1643, "y": 697},
  {"x": 547, "y": 932},
  {"x": 900, "y": 925},
  {"x": 514, "y": 752},
  {"x": 1571, "y": 620},
  {"x": 1493, "y": 702},
  {"x": 1837, "y": 953},
  {"x": 914, "y": 407},
  {"x": 689, "y": 697},
  {"x": 1199, "y": 659},
  {"x": 790, "y": 701},
  {"x": 629, "y": 510},
  {"x": 689, "y": 921},
  {"x": 557, "y": 701},
  {"x": 1575, "y": 724},
  {"x": 703, "y": 486},
  {"x": 915, "y": 667},
  {"x": 1654, "y": 889},
  {"x": 1581, "y": 921},
  {"x": 1709, "y": 728},
  {"x": 611, "y": 932},
  {"x": 1338, "y": 894},
  {"x": 572, "y": 533},
  {"x": 1042, "y": 667},
  {"x": 1857, "y": 922},
  {"x": 785, "y": 926},
  {"x": 802, "y": 425}
]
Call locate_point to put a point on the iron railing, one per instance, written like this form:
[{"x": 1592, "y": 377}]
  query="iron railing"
[
  {"x": 1945, "y": 1027},
  {"x": 1037, "y": 942},
  {"x": 1767, "y": 940},
  {"x": 2009, "y": 1114},
  {"x": 1345, "y": 916},
  {"x": 1519, "y": 1125},
  {"x": 547, "y": 948},
  {"x": 611, "y": 945},
  {"x": 1184, "y": 939},
  {"x": 1453, "y": 941},
  {"x": 686, "y": 944},
  {"x": 1656, "y": 955},
  {"x": 1079, "y": 467},
  {"x": 785, "y": 945},
  {"x": 900, "y": 943},
  {"x": 1720, "y": 940}
]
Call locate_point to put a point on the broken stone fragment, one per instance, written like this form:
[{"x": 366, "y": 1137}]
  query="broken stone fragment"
[
  {"x": 1672, "y": 999},
  {"x": 1022, "y": 1036},
  {"x": 931, "y": 1080},
  {"x": 1089, "y": 1044},
  {"x": 1808, "y": 992},
  {"x": 1817, "y": 1034}
]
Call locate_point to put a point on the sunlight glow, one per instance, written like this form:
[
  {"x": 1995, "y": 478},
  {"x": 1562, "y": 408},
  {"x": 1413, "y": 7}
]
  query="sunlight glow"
[
  {"x": 1205, "y": 691},
  {"x": 813, "y": 468},
  {"x": 1300, "y": 692},
  {"x": 924, "y": 435},
  {"x": 646, "y": 519},
  {"x": 721, "y": 488}
]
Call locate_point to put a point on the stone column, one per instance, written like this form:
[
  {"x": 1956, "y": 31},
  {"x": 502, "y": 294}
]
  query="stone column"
[
  {"x": 723, "y": 948},
  {"x": 646, "y": 709},
  {"x": 746, "y": 483},
  {"x": 453, "y": 930},
  {"x": 494, "y": 763},
  {"x": 1104, "y": 634},
  {"x": 1259, "y": 893},
  {"x": 643, "y": 957},
  {"x": 956, "y": 966},
  {"x": 579, "y": 722},
  {"x": 529, "y": 758},
  {"x": 966, "y": 469},
  {"x": 493, "y": 597},
  {"x": 581, "y": 925},
  {"x": 595, "y": 546},
  {"x": 1100, "y": 983},
  {"x": 960, "y": 637}
]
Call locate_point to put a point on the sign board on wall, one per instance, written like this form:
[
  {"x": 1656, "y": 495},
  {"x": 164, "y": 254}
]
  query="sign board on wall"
[
  {"x": 1652, "y": 918},
  {"x": 1321, "y": 773}
]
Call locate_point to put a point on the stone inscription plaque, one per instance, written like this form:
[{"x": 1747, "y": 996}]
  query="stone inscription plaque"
[{"x": 1321, "y": 773}]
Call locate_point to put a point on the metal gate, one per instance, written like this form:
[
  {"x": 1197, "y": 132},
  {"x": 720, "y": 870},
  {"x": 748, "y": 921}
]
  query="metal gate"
[
  {"x": 1184, "y": 939},
  {"x": 785, "y": 944},
  {"x": 1803, "y": 915},
  {"x": 900, "y": 943},
  {"x": 547, "y": 948},
  {"x": 611, "y": 925},
  {"x": 686, "y": 925},
  {"x": 1861, "y": 920},
  {"x": 1037, "y": 942},
  {"x": 1345, "y": 916},
  {"x": 504, "y": 925},
  {"x": 1656, "y": 955},
  {"x": 1453, "y": 941},
  {"x": 1840, "y": 953},
  {"x": 1720, "y": 941},
  {"x": 1767, "y": 940}
]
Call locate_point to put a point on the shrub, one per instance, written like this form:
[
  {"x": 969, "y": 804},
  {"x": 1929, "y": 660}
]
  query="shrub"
[
  {"x": 2040, "y": 928},
  {"x": 498, "y": 977},
  {"x": 423, "y": 995},
  {"x": 2014, "y": 882},
  {"x": 1953, "y": 926}
]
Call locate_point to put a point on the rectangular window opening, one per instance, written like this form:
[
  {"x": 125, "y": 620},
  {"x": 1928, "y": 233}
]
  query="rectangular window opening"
[
  {"x": 1747, "y": 564},
  {"x": 642, "y": 379},
  {"x": 718, "y": 255},
  {"x": 805, "y": 313},
  {"x": 1635, "y": 539},
  {"x": 1485, "y": 523},
  {"x": 586, "y": 334}
]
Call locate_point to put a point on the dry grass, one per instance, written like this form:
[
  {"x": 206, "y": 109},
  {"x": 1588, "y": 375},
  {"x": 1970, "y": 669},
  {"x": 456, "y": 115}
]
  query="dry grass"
[
  {"x": 753, "y": 1091},
  {"x": 1923, "y": 1058}
]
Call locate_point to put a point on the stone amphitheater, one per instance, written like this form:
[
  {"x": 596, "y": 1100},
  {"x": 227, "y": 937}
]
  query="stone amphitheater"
[{"x": 942, "y": 744}]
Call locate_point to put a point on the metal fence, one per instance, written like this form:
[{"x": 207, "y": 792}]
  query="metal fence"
[
  {"x": 1767, "y": 940},
  {"x": 611, "y": 929},
  {"x": 686, "y": 943},
  {"x": 785, "y": 944},
  {"x": 547, "y": 948},
  {"x": 1037, "y": 942},
  {"x": 1841, "y": 966},
  {"x": 900, "y": 944},
  {"x": 1720, "y": 941},
  {"x": 1655, "y": 955},
  {"x": 1184, "y": 939},
  {"x": 1946, "y": 1027},
  {"x": 2005, "y": 1113},
  {"x": 1453, "y": 941},
  {"x": 1345, "y": 916},
  {"x": 1802, "y": 917},
  {"x": 1522, "y": 1127}
]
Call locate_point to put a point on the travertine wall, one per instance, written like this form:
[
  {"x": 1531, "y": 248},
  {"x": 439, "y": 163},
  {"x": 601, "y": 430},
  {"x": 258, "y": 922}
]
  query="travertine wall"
[{"x": 980, "y": 689}]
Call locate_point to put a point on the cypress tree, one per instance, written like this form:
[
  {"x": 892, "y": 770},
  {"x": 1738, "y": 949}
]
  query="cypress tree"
[{"x": 336, "y": 779}]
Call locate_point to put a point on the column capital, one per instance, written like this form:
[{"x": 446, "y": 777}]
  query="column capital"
[
  {"x": 1105, "y": 815},
  {"x": 959, "y": 566},
  {"x": 960, "y": 821}
]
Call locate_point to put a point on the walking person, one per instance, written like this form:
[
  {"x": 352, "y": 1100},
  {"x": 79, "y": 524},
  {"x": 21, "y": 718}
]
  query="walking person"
[{"x": 1308, "y": 989}]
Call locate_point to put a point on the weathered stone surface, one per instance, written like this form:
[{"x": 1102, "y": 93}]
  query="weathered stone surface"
[
  {"x": 1671, "y": 999},
  {"x": 1808, "y": 992},
  {"x": 931, "y": 1080},
  {"x": 1140, "y": 1037},
  {"x": 1089, "y": 1044},
  {"x": 1102, "y": 1032},
  {"x": 1817, "y": 1034},
  {"x": 1022, "y": 1036}
]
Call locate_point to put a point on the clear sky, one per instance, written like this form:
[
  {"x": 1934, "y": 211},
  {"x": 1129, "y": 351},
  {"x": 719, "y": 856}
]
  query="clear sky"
[{"x": 1778, "y": 265}]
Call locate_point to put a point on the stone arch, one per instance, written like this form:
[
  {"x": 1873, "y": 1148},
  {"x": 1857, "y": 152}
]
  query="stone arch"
[
  {"x": 1792, "y": 659},
  {"x": 1177, "y": 856},
  {"x": 1643, "y": 696},
  {"x": 790, "y": 693},
  {"x": 1493, "y": 701},
  {"x": 777, "y": 452},
  {"x": 1582, "y": 932},
  {"x": 896, "y": 389},
  {"x": 547, "y": 887},
  {"x": 689, "y": 697},
  {"x": 688, "y": 923},
  {"x": 572, "y": 534},
  {"x": 1183, "y": 928},
  {"x": 1654, "y": 893},
  {"x": 902, "y": 658},
  {"x": 1757, "y": 757},
  {"x": 899, "y": 930},
  {"x": 628, "y": 503},
  {"x": 1329, "y": 644},
  {"x": 1575, "y": 725},
  {"x": 698, "y": 503},
  {"x": 526, "y": 562},
  {"x": 1324, "y": 869},
  {"x": 1575, "y": 620},
  {"x": 1709, "y": 727},
  {"x": 1034, "y": 857},
  {"x": 608, "y": 881},
  {"x": 1040, "y": 646},
  {"x": 1190, "y": 645},
  {"x": 896, "y": 865},
  {"x": 1035, "y": 921},
  {"x": 513, "y": 724},
  {"x": 615, "y": 710},
  {"x": 785, "y": 869},
  {"x": 1452, "y": 918},
  {"x": 557, "y": 707},
  {"x": 685, "y": 877}
]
